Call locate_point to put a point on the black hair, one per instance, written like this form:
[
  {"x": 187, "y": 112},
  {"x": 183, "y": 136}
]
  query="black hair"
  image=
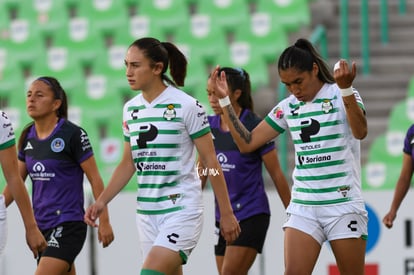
[
  {"x": 58, "y": 93},
  {"x": 238, "y": 78},
  {"x": 168, "y": 54},
  {"x": 301, "y": 56}
]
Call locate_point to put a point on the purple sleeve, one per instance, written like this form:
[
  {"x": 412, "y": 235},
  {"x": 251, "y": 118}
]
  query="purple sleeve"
[{"x": 409, "y": 140}]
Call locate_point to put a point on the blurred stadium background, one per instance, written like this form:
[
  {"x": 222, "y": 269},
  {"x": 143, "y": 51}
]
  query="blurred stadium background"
[{"x": 83, "y": 43}]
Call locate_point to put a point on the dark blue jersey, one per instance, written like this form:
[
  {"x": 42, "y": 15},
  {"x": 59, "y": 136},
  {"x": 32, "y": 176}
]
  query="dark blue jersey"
[
  {"x": 243, "y": 172},
  {"x": 53, "y": 164}
]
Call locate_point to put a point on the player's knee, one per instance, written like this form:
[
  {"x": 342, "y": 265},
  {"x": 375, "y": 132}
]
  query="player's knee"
[{"x": 150, "y": 272}]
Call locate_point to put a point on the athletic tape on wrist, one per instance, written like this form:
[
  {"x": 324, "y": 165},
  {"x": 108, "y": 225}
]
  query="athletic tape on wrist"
[
  {"x": 347, "y": 92},
  {"x": 224, "y": 101}
]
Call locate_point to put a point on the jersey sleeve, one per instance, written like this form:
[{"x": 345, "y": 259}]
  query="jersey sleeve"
[
  {"x": 276, "y": 118},
  {"x": 81, "y": 145},
  {"x": 125, "y": 117},
  {"x": 409, "y": 140},
  {"x": 7, "y": 137},
  {"x": 196, "y": 120},
  {"x": 359, "y": 99}
]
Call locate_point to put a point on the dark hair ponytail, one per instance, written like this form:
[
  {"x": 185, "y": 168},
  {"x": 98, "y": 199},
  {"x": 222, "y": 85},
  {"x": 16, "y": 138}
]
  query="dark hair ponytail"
[
  {"x": 168, "y": 54},
  {"x": 238, "y": 78},
  {"x": 301, "y": 56}
]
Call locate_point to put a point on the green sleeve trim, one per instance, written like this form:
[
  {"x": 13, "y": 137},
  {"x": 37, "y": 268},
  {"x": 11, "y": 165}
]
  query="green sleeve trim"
[
  {"x": 200, "y": 133},
  {"x": 8, "y": 144},
  {"x": 274, "y": 125}
]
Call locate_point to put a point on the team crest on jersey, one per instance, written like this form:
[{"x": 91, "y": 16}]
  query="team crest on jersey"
[
  {"x": 174, "y": 197},
  {"x": 278, "y": 113},
  {"x": 344, "y": 190},
  {"x": 57, "y": 145},
  {"x": 327, "y": 106},
  {"x": 170, "y": 113}
]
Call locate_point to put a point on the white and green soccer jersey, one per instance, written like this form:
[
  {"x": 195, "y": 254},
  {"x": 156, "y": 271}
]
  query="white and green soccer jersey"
[
  {"x": 161, "y": 135},
  {"x": 327, "y": 161},
  {"x": 7, "y": 137}
]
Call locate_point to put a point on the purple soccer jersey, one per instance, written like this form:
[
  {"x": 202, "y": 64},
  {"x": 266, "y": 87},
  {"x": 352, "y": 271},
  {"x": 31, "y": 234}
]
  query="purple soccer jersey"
[
  {"x": 243, "y": 172},
  {"x": 409, "y": 142},
  {"x": 53, "y": 165}
]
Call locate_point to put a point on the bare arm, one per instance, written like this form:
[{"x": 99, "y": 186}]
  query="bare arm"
[
  {"x": 202, "y": 174},
  {"x": 105, "y": 233},
  {"x": 246, "y": 141},
  {"x": 355, "y": 115},
  {"x": 271, "y": 162},
  {"x": 230, "y": 228},
  {"x": 122, "y": 174},
  {"x": 403, "y": 185},
  {"x": 16, "y": 190}
]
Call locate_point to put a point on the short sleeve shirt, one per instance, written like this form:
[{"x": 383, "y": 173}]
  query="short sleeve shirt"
[
  {"x": 7, "y": 137},
  {"x": 161, "y": 135},
  {"x": 242, "y": 171},
  {"x": 409, "y": 142},
  {"x": 53, "y": 165},
  {"x": 327, "y": 156}
]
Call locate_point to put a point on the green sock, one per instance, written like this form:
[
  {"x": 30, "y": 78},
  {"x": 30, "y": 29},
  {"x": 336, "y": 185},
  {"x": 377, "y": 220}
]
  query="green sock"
[{"x": 150, "y": 272}]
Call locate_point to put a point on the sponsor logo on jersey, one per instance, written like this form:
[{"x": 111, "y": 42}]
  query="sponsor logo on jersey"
[
  {"x": 145, "y": 166},
  {"x": 84, "y": 139},
  {"x": 278, "y": 113},
  {"x": 147, "y": 133},
  {"x": 313, "y": 159},
  {"x": 134, "y": 114},
  {"x": 5, "y": 125},
  {"x": 294, "y": 111},
  {"x": 205, "y": 121},
  {"x": 308, "y": 129},
  {"x": 10, "y": 134},
  {"x": 39, "y": 172},
  {"x": 222, "y": 159}
]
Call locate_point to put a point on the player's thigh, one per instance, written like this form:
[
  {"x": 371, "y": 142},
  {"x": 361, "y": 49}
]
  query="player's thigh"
[
  {"x": 164, "y": 260},
  {"x": 49, "y": 265},
  {"x": 350, "y": 255},
  {"x": 238, "y": 260},
  {"x": 301, "y": 252}
]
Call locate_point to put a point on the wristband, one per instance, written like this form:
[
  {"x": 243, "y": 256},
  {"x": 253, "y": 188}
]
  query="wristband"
[
  {"x": 225, "y": 101},
  {"x": 347, "y": 92}
]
